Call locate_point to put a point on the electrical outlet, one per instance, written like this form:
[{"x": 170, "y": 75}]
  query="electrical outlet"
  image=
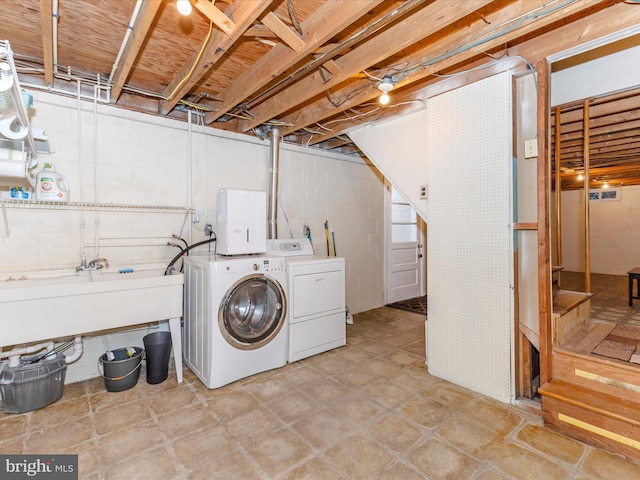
[
  {"x": 424, "y": 192},
  {"x": 195, "y": 217},
  {"x": 531, "y": 148},
  {"x": 208, "y": 229}
]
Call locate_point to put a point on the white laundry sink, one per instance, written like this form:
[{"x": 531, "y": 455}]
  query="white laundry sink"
[{"x": 48, "y": 305}]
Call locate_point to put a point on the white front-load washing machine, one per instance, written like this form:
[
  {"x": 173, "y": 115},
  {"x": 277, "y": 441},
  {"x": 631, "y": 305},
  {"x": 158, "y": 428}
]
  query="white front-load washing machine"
[{"x": 235, "y": 317}]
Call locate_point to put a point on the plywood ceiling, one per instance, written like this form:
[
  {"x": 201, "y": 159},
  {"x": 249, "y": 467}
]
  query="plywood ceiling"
[{"x": 310, "y": 67}]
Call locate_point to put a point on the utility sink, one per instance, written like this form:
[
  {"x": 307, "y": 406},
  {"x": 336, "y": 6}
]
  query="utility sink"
[{"x": 49, "y": 305}]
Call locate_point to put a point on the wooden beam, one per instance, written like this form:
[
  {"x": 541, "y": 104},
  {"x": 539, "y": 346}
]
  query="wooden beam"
[
  {"x": 322, "y": 108},
  {"x": 244, "y": 13},
  {"x": 46, "y": 18},
  {"x": 427, "y": 21},
  {"x": 214, "y": 14},
  {"x": 283, "y": 32},
  {"x": 558, "y": 158},
  {"x": 330, "y": 19},
  {"x": 139, "y": 32},
  {"x": 587, "y": 228},
  {"x": 545, "y": 307}
]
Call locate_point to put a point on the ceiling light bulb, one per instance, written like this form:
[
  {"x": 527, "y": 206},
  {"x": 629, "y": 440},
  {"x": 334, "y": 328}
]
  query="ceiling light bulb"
[
  {"x": 580, "y": 177},
  {"x": 184, "y": 7},
  {"x": 384, "y": 86},
  {"x": 605, "y": 185}
]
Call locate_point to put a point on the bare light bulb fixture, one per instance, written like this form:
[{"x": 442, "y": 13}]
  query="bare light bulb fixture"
[
  {"x": 385, "y": 86},
  {"x": 184, "y": 7},
  {"x": 605, "y": 184},
  {"x": 580, "y": 177}
]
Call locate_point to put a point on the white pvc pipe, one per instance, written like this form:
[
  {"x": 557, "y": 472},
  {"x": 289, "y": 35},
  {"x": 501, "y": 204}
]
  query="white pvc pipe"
[
  {"x": 78, "y": 349},
  {"x": 54, "y": 25},
  {"x": 14, "y": 355},
  {"x": 125, "y": 40}
]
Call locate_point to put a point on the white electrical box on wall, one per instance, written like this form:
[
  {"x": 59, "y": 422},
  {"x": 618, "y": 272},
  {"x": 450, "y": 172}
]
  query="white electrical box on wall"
[{"x": 424, "y": 192}]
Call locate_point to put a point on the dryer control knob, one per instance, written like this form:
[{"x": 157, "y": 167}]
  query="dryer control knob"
[{"x": 255, "y": 266}]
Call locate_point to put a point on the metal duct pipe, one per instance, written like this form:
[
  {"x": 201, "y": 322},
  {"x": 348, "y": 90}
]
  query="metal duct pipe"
[{"x": 273, "y": 183}]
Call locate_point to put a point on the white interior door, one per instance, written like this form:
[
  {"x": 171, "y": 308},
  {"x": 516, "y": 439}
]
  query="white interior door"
[{"x": 405, "y": 261}]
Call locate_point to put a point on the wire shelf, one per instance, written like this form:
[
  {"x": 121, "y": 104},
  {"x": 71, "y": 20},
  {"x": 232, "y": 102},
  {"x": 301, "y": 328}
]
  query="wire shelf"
[{"x": 86, "y": 206}]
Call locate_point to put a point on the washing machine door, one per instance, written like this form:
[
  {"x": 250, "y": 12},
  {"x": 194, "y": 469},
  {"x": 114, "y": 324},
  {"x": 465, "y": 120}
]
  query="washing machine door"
[{"x": 252, "y": 312}]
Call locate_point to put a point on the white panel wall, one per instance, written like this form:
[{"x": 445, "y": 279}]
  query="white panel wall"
[
  {"x": 398, "y": 148},
  {"x": 615, "y": 232},
  {"x": 148, "y": 160},
  {"x": 469, "y": 282}
]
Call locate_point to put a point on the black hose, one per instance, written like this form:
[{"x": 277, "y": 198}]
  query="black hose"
[
  {"x": 184, "y": 251},
  {"x": 177, "y": 237}
]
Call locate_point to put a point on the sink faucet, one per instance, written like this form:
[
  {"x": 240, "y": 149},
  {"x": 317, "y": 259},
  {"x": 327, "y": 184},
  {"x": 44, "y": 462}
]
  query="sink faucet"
[
  {"x": 94, "y": 264},
  {"x": 98, "y": 263}
]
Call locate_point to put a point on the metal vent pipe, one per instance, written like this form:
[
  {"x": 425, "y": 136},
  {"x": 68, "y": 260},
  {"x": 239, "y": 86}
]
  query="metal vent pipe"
[{"x": 273, "y": 184}]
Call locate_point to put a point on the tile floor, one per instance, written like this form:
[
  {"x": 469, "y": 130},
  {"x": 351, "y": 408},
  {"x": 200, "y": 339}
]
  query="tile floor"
[{"x": 368, "y": 410}]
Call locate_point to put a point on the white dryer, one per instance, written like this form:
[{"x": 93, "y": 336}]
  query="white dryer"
[
  {"x": 235, "y": 317},
  {"x": 317, "y": 307}
]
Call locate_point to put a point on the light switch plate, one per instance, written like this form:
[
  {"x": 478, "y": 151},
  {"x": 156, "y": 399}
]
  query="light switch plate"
[{"x": 531, "y": 148}]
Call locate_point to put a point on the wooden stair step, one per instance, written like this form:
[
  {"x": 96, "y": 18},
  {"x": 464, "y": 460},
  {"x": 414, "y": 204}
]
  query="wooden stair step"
[
  {"x": 592, "y": 416},
  {"x": 594, "y": 401}
]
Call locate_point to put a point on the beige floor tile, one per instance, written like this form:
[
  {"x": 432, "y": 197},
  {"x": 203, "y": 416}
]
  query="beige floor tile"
[
  {"x": 424, "y": 413},
  {"x": 102, "y": 400},
  {"x": 399, "y": 471},
  {"x": 200, "y": 448},
  {"x": 602, "y": 465},
  {"x": 314, "y": 469},
  {"x": 122, "y": 416},
  {"x": 523, "y": 464},
  {"x": 59, "y": 412},
  {"x": 551, "y": 443},
  {"x": 253, "y": 424},
  {"x": 322, "y": 428},
  {"x": 227, "y": 405},
  {"x": 359, "y": 457},
  {"x": 278, "y": 452},
  {"x": 294, "y": 405},
  {"x": 449, "y": 396},
  {"x": 13, "y": 446},
  {"x": 89, "y": 459},
  {"x": 171, "y": 400},
  {"x": 327, "y": 391},
  {"x": 115, "y": 447},
  {"x": 395, "y": 433},
  {"x": 151, "y": 464},
  {"x": 441, "y": 462},
  {"x": 234, "y": 466},
  {"x": 329, "y": 365},
  {"x": 71, "y": 433},
  {"x": 298, "y": 375},
  {"x": 12, "y": 426},
  {"x": 356, "y": 409},
  {"x": 185, "y": 421},
  {"x": 493, "y": 415},
  {"x": 386, "y": 394},
  {"x": 266, "y": 389},
  {"x": 473, "y": 439},
  {"x": 355, "y": 377}
]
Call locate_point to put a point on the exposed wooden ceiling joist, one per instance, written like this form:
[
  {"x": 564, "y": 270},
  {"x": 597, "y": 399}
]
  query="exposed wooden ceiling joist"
[{"x": 244, "y": 13}]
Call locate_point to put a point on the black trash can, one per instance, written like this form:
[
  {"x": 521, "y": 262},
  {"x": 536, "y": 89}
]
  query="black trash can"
[{"x": 157, "y": 346}]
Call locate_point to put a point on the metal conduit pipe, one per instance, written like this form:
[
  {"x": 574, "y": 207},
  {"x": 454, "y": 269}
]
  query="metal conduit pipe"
[{"x": 273, "y": 183}]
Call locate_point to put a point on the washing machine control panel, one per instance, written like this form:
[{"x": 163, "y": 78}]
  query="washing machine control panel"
[{"x": 270, "y": 265}]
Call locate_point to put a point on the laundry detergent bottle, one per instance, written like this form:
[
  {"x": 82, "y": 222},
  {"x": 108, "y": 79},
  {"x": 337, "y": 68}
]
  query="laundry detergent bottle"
[{"x": 51, "y": 185}]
